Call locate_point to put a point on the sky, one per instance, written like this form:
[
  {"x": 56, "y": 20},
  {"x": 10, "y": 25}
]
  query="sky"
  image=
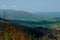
[{"x": 31, "y": 5}]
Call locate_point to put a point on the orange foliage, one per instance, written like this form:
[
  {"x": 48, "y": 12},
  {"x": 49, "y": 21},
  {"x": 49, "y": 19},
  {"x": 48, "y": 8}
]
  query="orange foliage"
[{"x": 11, "y": 32}]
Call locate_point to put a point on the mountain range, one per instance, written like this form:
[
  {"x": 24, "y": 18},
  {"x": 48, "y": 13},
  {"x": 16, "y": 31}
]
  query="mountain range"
[
  {"x": 14, "y": 14},
  {"x": 23, "y": 15}
]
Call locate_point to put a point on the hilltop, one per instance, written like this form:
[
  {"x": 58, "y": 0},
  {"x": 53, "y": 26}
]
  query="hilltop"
[{"x": 18, "y": 15}]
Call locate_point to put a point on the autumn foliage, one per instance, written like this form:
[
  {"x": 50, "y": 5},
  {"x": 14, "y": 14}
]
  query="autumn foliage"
[{"x": 11, "y": 31}]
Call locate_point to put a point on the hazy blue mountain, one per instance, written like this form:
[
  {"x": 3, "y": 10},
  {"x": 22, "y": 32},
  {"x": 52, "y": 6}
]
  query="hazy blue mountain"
[{"x": 17, "y": 14}]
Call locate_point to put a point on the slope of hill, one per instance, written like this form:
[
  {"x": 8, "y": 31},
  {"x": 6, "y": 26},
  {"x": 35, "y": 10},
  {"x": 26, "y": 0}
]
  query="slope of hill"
[
  {"x": 14, "y": 14},
  {"x": 13, "y": 31}
]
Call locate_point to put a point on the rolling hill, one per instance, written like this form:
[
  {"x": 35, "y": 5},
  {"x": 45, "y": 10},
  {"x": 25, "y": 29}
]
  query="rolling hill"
[{"x": 14, "y": 14}]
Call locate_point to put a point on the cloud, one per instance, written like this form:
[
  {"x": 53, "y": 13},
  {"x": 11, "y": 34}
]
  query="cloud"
[{"x": 8, "y": 6}]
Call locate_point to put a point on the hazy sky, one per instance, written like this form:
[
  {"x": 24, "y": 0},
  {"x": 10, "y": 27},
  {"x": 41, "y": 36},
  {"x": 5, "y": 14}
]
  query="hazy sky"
[{"x": 31, "y": 5}]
